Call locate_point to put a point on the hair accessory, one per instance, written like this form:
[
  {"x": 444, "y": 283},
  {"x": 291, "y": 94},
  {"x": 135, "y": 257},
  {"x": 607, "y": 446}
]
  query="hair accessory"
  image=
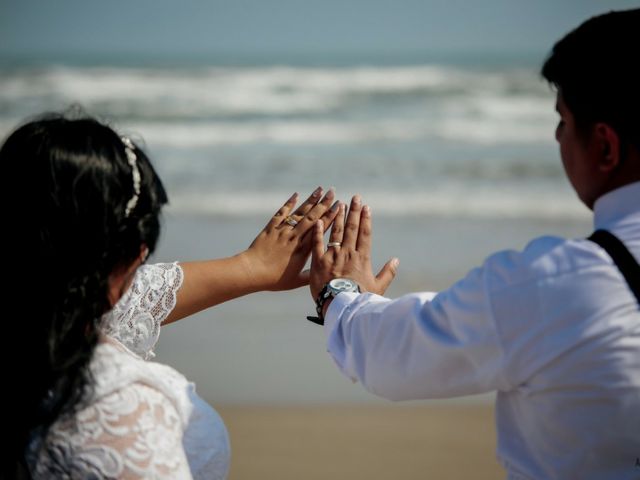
[{"x": 132, "y": 159}]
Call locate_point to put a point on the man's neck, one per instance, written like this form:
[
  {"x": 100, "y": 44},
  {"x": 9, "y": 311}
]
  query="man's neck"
[{"x": 627, "y": 173}]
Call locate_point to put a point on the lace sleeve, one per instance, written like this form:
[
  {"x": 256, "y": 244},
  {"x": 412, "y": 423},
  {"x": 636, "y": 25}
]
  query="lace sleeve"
[
  {"x": 135, "y": 320},
  {"x": 133, "y": 433}
]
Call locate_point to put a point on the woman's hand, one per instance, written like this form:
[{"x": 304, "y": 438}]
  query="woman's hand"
[
  {"x": 349, "y": 253},
  {"x": 277, "y": 256},
  {"x": 274, "y": 261}
]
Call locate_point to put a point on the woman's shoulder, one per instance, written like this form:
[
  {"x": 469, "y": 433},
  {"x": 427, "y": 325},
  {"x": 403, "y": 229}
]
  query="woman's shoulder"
[{"x": 136, "y": 319}]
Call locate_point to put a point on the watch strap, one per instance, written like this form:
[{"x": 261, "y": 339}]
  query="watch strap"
[
  {"x": 320, "y": 301},
  {"x": 322, "y": 298}
]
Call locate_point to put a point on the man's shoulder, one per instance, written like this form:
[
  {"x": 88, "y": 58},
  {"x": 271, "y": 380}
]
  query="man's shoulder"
[{"x": 542, "y": 258}]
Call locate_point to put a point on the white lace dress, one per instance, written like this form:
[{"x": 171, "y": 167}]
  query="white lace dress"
[{"x": 146, "y": 420}]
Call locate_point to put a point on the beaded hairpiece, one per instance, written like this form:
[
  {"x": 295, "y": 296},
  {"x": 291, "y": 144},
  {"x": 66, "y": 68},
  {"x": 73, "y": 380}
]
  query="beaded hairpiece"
[{"x": 132, "y": 159}]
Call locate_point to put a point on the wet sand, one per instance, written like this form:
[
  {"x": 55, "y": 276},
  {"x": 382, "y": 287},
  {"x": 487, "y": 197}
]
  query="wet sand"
[{"x": 362, "y": 442}]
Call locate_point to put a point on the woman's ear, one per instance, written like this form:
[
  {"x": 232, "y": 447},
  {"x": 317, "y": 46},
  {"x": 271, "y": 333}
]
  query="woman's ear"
[
  {"x": 120, "y": 279},
  {"x": 117, "y": 281},
  {"x": 608, "y": 143}
]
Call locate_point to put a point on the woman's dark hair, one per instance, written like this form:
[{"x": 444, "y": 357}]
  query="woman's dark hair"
[
  {"x": 595, "y": 67},
  {"x": 67, "y": 230}
]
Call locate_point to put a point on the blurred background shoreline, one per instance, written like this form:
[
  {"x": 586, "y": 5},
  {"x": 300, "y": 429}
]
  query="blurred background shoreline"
[{"x": 434, "y": 111}]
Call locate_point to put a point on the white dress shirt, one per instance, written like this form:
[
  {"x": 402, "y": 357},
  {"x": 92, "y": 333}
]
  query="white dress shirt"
[{"x": 554, "y": 329}]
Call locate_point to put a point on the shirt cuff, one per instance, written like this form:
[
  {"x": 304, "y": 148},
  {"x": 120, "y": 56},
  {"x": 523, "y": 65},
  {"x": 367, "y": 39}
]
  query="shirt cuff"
[{"x": 337, "y": 306}]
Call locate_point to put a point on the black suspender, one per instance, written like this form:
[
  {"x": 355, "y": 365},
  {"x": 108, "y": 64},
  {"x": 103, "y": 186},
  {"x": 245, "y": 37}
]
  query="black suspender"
[{"x": 624, "y": 260}]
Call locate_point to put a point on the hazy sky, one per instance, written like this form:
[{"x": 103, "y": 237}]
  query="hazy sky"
[{"x": 164, "y": 27}]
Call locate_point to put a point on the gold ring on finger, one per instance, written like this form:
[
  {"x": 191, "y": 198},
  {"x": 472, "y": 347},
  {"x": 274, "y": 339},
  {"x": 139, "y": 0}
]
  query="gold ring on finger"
[
  {"x": 334, "y": 244},
  {"x": 290, "y": 220}
]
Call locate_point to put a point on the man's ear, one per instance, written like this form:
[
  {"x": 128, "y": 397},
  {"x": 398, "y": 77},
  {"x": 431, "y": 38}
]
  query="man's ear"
[{"x": 607, "y": 142}]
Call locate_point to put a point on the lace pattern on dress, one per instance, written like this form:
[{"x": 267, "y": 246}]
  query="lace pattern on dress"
[
  {"x": 145, "y": 419},
  {"x": 133, "y": 433},
  {"x": 135, "y": 320}
]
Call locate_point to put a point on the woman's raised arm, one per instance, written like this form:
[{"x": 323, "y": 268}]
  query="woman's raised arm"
[{"x": 274, "y": 261}]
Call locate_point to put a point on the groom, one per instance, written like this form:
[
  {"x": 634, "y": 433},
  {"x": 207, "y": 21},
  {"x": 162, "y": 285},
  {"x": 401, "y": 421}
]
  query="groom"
[{"x": 554, "y": 329}]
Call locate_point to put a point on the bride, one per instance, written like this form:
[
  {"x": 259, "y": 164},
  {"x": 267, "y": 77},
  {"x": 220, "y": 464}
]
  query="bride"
[{"x": 85, "y": 402}]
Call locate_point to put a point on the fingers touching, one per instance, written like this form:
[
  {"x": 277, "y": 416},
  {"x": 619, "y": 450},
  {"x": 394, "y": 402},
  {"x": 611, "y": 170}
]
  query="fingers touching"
[{"x": 348, "y": 251}]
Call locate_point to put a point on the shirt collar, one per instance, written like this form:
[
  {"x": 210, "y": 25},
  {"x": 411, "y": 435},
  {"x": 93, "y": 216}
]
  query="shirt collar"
[{"x": 611, "y": 207}]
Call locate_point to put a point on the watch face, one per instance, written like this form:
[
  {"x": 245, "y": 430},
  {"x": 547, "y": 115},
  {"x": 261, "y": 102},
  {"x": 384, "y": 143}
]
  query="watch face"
[{"x": 343, "y": 285}]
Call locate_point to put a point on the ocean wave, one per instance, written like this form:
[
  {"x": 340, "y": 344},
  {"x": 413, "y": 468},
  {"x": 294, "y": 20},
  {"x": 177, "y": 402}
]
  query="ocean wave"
[
  {"x": 217, "y": 91},
  {"x": 282, "y": 132},
  {"x": 484, "y": 130},
  {"x": 467, "y": 130}
]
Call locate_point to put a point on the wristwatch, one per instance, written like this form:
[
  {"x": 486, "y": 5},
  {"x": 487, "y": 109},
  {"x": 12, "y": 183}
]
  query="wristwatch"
[{"x": 330, "y": 290}]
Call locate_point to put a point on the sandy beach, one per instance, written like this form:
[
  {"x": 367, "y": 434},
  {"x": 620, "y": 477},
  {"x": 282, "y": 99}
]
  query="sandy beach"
[{"x": 362, "y": 442}]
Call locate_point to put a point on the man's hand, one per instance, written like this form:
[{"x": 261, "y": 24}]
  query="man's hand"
[{"x": 352, "y": 257}]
